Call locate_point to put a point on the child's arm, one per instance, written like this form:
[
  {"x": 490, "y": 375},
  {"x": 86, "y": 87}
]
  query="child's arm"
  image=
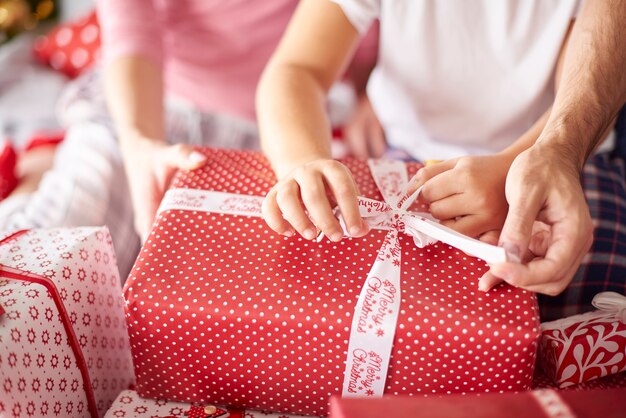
[
  {"x": 295, "y": 132},
  {"x": 467, "y": 193}
]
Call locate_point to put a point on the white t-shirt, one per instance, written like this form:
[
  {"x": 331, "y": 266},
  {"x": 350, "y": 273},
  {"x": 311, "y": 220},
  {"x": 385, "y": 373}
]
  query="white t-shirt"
[{"x": 459, "y": 77}]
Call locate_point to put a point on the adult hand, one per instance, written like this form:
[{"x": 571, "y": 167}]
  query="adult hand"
[
  {"x": 150, "y": 165},
  {"x": 364, "y": 134},
  {"x": 548, "y": 229},
  {"x": 467, "y": 193},
  {"x": 300, "y": 201}
]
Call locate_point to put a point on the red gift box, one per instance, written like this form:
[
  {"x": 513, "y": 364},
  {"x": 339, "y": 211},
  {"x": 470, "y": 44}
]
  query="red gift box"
[
  {"x": 542, "y": 403},
  {"x": 587, "y": 346},
  {"x": 222, "y": 309},
  {"x": 130, "y": 405},
  {"x": 71, "y": 47},
  {"x": 64, "y": 348}
]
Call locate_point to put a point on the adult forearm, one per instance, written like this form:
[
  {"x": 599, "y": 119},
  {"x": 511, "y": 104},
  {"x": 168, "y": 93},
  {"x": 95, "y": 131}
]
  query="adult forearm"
[
  {"x": 134, "y": 93},
  {"x": 592, "y": 87},
  {"x": 292, "y": 118}
]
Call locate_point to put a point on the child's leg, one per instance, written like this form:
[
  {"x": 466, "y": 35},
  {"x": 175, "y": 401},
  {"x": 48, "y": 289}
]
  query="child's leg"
[{"x": 85, "y": 186}]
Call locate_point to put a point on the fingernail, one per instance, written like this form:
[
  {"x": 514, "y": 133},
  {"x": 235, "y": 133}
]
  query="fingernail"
[
  {"x": 309, "y": 234},
  {"x": 336, "y": 237},
  {"x": 288, "y": 233},
  {"x": 512, "y": 252},
  {"x": 355, "y": 230},
  {"x": 197, "y": 157},
  {"x": 482, "y": 286}
]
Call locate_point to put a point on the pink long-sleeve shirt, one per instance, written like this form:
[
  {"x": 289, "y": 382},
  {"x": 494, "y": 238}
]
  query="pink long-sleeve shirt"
[{"x": 212, "y": 52}]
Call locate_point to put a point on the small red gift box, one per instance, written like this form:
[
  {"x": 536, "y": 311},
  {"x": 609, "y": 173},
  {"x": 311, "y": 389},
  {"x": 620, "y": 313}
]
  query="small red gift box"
[
  {"x": 584, "y": 347},
  {"x": 222, "y": 309},
  {"x": 130, "y": 405},
  {"x": 542, "y": 403},
  {"x": 64, "y": 348}
]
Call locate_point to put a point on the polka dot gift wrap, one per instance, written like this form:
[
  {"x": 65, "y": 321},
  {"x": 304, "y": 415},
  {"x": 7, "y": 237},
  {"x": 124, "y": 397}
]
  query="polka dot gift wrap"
[
  {"x": 222, "y": 309},
  {"x": 64, "y": 349}
]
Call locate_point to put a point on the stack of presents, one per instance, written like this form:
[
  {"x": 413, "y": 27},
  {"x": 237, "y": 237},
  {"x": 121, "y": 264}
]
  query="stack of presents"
[{"x": 222, "y": 317}]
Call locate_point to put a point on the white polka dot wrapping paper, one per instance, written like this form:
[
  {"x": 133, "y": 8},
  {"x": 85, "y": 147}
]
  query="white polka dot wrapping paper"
[
  {"x": 64, "y": 348},
  {"x": 584, "y": 347},
  {"x": 222, "y": 309}
]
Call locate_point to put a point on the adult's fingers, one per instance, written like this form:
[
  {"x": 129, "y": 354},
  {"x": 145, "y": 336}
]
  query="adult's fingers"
[
  {"x": 288, "y": 199},
  {"x": 344, "y": 190},
  {"x": 524, "y": 206},
  {"x": 313, "y": 193},
  {"x": 488, "y": 281},
  {"x": 273, "y": 216},
  {"x": 516, "y": 274},
  {"x": 549, "y": 274}
]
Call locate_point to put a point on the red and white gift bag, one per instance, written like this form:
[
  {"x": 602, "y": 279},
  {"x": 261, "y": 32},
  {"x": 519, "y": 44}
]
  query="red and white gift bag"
[
  {"x": 130, "y": 405},
  {"x": 222, "y": 309},
  {"x": 64, "y": 349},
  {"x": 587, "y": 346}
]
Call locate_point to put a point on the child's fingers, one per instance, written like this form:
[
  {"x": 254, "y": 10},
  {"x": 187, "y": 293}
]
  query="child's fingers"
[
  {"x": 449, "y": 207},
  {"x": 273, "y": 217},
  {"x": 344, "y": 190},
  {"x": 470, "y": 225},
  {"x": 426, "y": 173},
  {"x": 491, "y": 237},
  {"x": 288, "y": 199},
  {"x": 313, "y": 192},
  {"x": 442, "y": 185}
]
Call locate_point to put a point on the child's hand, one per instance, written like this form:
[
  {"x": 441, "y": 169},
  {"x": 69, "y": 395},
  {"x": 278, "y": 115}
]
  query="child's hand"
[
  {"x": 467, "y": 194},
  {"x": 307, "y": 189},
  {"x": 150, "y": 165}
]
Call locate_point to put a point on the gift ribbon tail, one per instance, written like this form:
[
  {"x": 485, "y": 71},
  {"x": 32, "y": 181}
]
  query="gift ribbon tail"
[{"x": 490, "y": 253}]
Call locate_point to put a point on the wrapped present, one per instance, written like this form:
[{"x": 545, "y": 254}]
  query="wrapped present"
[
  {"x": 222, "y": 309},
  {"x": 64, "y": 348},
  {"x": 541, "y": 403},
  {"x": 587, "y": 346},
  {"x": 130, "y": 405}
]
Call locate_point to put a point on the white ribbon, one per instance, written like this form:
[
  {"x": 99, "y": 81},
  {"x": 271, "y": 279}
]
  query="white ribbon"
[
  {"x": 376, "y": 313},
  {"x": 611, "y": 302},
  {"x": 611, "y": 306}
]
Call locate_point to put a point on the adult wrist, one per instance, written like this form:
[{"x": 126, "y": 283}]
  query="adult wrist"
[{"x": 556, "y": 150}]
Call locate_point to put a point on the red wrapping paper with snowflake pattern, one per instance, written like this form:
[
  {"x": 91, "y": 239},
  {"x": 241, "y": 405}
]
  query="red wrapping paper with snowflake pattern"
[
  {"x": 222, "y": 309},
  {"x": 584, "y": 347},
  {"x": 64, "y": 349}
]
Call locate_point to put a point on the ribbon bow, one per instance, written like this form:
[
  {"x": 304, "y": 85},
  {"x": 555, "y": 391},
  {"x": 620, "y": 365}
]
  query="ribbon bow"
[
  {"x": 392, "y": 179},
  {"x": 376, "y": 313},
  {"x": 611, "y": 302}
]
